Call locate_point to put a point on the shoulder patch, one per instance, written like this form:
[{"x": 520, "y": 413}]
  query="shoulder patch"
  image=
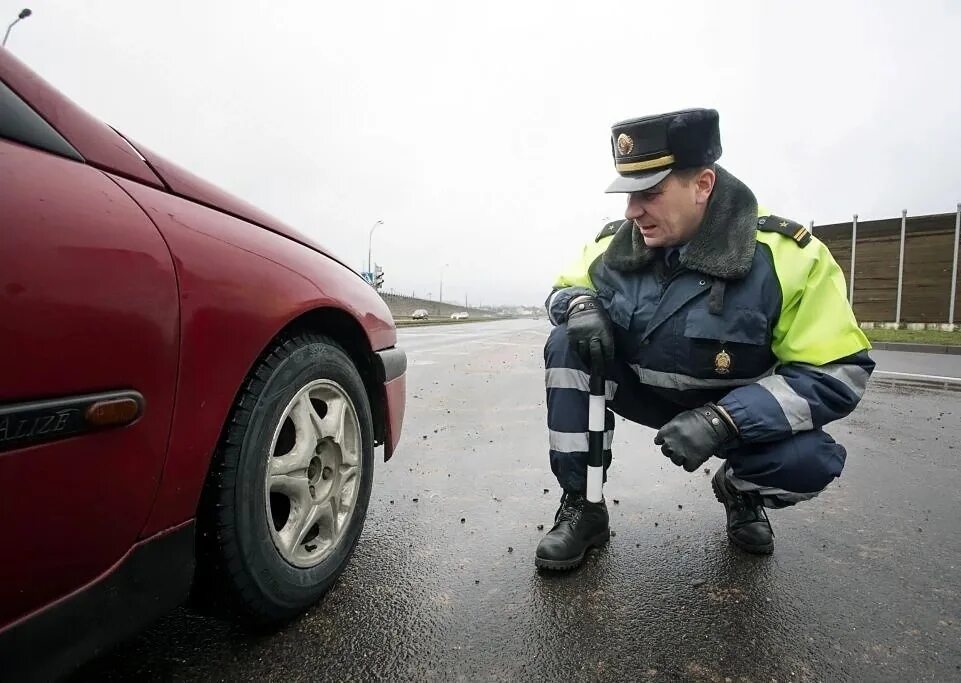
[
  {"x": 609, "y": 229},
  {"x": 788, "y": 228}
]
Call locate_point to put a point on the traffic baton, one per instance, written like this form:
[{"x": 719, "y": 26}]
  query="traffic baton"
[{"x": 595, "y": 425}]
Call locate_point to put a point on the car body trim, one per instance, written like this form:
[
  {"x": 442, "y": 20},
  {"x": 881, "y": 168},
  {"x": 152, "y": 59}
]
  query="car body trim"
[
  {"x": 150, "y": 580},
  {"x": 34, "y": 422}
]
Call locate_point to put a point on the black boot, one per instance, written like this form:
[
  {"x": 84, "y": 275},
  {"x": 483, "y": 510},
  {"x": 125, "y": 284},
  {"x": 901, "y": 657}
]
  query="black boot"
[
  {"x": 578, "y": 525},
  {"x": 747, "y": 524}
]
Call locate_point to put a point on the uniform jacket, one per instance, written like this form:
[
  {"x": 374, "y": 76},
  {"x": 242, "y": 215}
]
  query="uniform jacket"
[{"x": 755, "y": 317}]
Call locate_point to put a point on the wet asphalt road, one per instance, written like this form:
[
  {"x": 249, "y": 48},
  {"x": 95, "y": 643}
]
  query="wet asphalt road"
[{"x": 865, "y": 583}]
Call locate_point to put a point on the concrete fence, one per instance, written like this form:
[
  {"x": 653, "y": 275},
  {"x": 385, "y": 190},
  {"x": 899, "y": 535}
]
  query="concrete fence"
[
  {"x": 899, "y": 270},
  {"x": 402, "y": 306}
]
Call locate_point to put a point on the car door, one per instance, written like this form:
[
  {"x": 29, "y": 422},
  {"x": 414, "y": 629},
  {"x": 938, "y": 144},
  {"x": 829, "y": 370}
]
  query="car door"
[{"x": 89, "y": 352}]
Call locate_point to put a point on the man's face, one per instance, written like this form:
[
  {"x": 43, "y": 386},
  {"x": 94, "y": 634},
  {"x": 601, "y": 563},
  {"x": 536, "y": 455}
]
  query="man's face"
[{"x": 670, "y": 213}]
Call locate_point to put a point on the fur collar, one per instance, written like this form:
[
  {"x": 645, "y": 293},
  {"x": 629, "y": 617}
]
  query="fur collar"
[{"x": 723, "y": 246}]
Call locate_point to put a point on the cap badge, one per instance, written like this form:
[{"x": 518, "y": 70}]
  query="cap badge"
[
  {"x": 625, "y": 145},
  {"x": 722, "y": 362}
]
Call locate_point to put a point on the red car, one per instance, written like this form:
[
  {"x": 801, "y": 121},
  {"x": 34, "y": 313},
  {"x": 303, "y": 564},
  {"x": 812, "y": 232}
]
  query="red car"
[{"x": 190, "y": 397}]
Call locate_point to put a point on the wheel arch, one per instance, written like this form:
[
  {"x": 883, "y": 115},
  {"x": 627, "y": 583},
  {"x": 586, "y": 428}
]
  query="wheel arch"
[
  {"x": 344, "y": 329},
  {"x": 348, "y": 333}
]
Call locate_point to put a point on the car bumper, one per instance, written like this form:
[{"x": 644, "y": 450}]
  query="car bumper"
[{"x": 391, "y": 370}]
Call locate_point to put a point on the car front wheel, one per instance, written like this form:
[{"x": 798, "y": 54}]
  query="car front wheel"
[{"x": 287, "y": 495}]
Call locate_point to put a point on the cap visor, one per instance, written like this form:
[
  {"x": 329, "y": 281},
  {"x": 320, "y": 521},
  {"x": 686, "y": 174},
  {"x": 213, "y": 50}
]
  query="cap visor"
[{"x": 637, "y": 183}]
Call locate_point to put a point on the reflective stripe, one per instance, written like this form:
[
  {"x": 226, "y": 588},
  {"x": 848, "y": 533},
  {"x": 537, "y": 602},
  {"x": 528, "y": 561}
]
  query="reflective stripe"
[
  {"x": 796, "y": 408},
  {"x": 597, "y": 407},
  {"x": 790, "y": 497},
  {"x": 550, "y": 307},
  {"x": 854, "y": 377},
  {"x": 575, "y": 442},
  {"x": 674, "y": 380},
  {"x": 595, "y": 484},
  {"x": 568, "y": 378}
]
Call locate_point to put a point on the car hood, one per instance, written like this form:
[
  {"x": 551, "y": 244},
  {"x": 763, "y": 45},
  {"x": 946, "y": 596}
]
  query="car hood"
[{"x": 185, "y": 184}]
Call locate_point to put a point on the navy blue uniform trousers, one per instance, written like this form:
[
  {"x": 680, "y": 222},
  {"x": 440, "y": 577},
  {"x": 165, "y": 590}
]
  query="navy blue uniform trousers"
[{"x": 781, "y": 472}]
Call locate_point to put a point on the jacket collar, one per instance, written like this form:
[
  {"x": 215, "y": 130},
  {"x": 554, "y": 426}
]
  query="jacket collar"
[{"x": 723, "y": 246}]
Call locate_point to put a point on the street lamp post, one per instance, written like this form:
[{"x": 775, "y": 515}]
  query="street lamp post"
[
  {"x": 24, "y": 13},
  {"x": 369, "y": 240},
  {"x": 440, "y": 297}
]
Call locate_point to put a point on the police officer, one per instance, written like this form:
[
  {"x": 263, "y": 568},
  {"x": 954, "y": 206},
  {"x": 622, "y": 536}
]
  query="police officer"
[{"x": 724, "y": 327}]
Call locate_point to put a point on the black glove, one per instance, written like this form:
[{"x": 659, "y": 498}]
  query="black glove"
[
  {"x": 587, "y": 320},
  {"x": 692, "y": 437}
]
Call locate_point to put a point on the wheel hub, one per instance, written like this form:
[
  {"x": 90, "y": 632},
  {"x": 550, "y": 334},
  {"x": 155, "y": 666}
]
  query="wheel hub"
[{"x": 311, "y": 487}]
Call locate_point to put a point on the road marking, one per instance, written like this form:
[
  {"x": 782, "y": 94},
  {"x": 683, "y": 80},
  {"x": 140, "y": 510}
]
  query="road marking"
[
  {"x": 916, "y": 376},
  {"x": 405, "y": 333},
  {"x": 505, "y": 343},
  {"x": 476, "y": 337}
]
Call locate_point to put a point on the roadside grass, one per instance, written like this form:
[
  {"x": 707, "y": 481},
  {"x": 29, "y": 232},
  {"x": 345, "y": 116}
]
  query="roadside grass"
[{"x": 915, "y": 337}]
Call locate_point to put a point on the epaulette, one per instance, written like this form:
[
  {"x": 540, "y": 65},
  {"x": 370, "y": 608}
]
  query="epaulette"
[
  {"x": 788, "y": 228},
  {"x": 609, "y": 229}
]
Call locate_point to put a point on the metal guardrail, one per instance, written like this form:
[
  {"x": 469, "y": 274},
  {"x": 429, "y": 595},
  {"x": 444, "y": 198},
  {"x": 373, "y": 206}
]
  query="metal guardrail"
[{"x": 906, "y": 381}]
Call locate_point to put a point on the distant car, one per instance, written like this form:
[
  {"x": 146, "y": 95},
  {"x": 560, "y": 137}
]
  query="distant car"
[
  {"x": 462, "y": 315},
  {"x": 419, "y": 314},
  {"x": 192, "y": 394}
]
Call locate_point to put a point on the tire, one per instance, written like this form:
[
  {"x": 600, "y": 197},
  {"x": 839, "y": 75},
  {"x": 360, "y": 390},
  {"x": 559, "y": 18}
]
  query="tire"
[{"x": 250, "y": 560}]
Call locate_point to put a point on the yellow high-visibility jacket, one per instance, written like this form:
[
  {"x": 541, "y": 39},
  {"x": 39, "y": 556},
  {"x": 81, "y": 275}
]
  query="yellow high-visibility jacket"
[{"x": 755, "y": 318}]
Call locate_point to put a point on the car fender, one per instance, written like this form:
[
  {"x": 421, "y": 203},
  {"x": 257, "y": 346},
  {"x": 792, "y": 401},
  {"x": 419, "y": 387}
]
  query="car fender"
[{"x": 240, "y": 285}]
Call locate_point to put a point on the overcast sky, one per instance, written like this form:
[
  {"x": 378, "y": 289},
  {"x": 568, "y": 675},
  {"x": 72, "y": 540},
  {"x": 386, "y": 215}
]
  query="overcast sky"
[{"x": 479, "y": 132}]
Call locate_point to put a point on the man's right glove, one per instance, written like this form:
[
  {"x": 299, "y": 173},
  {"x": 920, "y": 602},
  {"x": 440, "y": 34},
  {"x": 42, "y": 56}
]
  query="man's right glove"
[{"x": 587, "y": 320}]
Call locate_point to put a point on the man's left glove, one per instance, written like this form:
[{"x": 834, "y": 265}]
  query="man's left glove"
[{"x": 692, "y": 437}]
